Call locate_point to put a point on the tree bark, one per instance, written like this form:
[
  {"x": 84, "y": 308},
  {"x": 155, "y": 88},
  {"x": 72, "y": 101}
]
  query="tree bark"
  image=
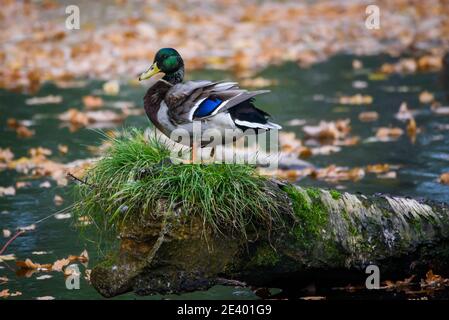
[{"x": 327, "y": 236}]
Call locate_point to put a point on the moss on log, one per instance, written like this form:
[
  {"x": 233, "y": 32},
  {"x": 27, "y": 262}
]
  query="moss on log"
[{"x": 173, "y": 251}]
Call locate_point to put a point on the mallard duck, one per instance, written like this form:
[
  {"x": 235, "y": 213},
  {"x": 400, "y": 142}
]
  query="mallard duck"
[{"x": 172, "y": 104}]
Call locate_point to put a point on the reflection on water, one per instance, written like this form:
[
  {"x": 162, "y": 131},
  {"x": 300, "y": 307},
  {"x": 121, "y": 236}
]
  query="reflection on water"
[{"x": 295, "y": 96}]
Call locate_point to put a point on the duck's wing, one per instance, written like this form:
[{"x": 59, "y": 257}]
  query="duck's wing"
[{"x": 196, "y": 100}]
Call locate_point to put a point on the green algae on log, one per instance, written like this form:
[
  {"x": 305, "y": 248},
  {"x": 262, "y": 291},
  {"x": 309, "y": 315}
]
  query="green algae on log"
[{"x": 172, "y": 251}]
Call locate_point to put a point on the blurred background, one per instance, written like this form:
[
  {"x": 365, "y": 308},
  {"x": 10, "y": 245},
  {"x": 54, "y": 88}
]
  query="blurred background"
[{"x": 363, "y": 110}]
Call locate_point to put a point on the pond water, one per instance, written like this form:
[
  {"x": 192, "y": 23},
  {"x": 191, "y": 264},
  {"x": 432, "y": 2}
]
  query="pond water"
[{"x": 300, "y": 93}]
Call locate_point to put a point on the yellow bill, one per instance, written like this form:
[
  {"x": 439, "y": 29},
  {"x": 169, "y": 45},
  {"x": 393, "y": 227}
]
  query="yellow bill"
[{"x": 150, "y": 72}]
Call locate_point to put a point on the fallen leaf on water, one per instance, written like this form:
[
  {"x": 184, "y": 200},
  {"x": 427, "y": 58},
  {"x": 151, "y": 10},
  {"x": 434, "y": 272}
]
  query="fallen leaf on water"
[
  {"x": 24, "y": 132},
  {"x": 63, "y": 149},
  {"x": 442, "y": 111},
  {"x": 51, "y": 99},
  {"x": 45, "y": 298},
  {"x": 368, "y": 116},
  {"x": 400, "y": 284},
  {"x": 39, "y": 152},
  {"x": 388, "y": 134},
  {"x": 8, "y": 191},
  {"x": 6, "y": 233},
  {"x": 4, "y": 293},
  {"x": 3, "y": 280},
  {"x": 38, "y": 253},
  {"x": 7, "y": 257},
  {"x": 45, "y": 276},
  {"x": 313, "y": 298},
  {"x": 296, "y": 122},
  {"x": 378, "y": 168},
  {"x": 62, "y": 216},
  {"x": 22, "y": 184},
  {"x": 388, "y": 175},
  {"x": 357, "y": 64},
  {"x": 444, "y": 178},
  {"x": 6, "y": 155},
  {"x": 404, "y": 113},
  {"x": 28, "y": 264},
  {"x": 426, "y": 97},
  {"x": 45, "y": 184},
  {"x": 28, "y": 228},
  {"x": 328, "y": 130},
  {"x": 58, "y": 200},
  {"x": 412, "y": 129},
  {"x": 59, "y": 264},
  {"x": 433, "y": 281},
  {"x": 357, "y": 99},
  {"x": 111, "y": 87},
  {"x": 83, "y": 257},
  {"x": 333, "y": 174},
  {"x": 92, "y": 102}
]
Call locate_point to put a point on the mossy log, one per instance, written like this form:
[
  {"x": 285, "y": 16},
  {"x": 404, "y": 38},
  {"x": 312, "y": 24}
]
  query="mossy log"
[{"x": 327, "y": 234}]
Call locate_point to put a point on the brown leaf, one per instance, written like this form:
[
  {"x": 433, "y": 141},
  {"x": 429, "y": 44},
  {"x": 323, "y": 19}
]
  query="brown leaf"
[
  {"x": 58, "y": 200},
  {"x": 91, "y": 102},
  {"x": 444, "y": 178},
  {"x": 378, "y": 168},
  {"x": 6, "y": 155},
  {"x": 368, "y": 116},
  {"x": 24, "y": 132},
  {"x": 59, "y": 264},
  {"x": 63, "y": 149},
  {"x": 426, "y": 97},
  {"x": 387, "y": 134}
]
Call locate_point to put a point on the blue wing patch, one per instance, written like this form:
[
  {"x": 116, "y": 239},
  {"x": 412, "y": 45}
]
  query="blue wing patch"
[{"x": 207, "y": 107}]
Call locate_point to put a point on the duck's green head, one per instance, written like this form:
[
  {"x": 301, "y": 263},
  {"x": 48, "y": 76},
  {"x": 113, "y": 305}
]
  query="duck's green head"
[{"x": 168, "y": 61}]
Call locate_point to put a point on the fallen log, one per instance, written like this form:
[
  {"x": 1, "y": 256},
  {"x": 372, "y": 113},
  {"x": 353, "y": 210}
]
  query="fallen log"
[{"x": 327, "y": 235}]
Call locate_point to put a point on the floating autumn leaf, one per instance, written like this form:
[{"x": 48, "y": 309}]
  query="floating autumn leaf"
[
  {"x": 378, "y": 168},
  {"x": 92, "y": 102},
  {"x": 59, "y": 264},
  {"x": 28, "y": 264},
  {"x": 357, "y": 99},
  {"x": 45, "y": 184},
  {"x": 24, "y": 132},
  {"x": 45, "y": 298},
  {"x": 444, "y": 178},
  {"x": 30, "y": 227},
  {"x": 39, "y": 152},
  {"x": 313, "y": 298},
  {"x": 62, "y": 216},
  {"x": 6, "y": 233},
  {"x": 6, "y": 155},
  {"x": 426, "y": 97},
  {"x": 296, "y": 122},
  {"x": 4, "y": 293},
  {"x": 51, "y": 99},
  {"x": 442, "y": 111},
  {"x": 63, "y": 149},
  {"x": 39, "y": 252},
  {"x": 400, "y": 284},
  {"x": 404, "y": 113},
  {"x": 111, "y": 87},
  {"x": 388, "y": 134},
  {"x": 388, "y": 175},
  {"x": 333, "y": 174},
  {"x": 328, "y": 130},
  {"x": 3, "y": 280},
  {"x": 433, "y": 281},
  {"x": 22, "y": 184},
  {"x": 75, "y": 117},
  {"x": 58, "y": 200},
  {"x": 83, "y": 257},
  {"x": 412, "y": 129},
  {"x": 7, "y": 191},
  {"x": 357, "y": 64},
  {"x": 368, "y": 116},
  {"x": 44, "y": 277},
  {"x": 7, "y": 257}
]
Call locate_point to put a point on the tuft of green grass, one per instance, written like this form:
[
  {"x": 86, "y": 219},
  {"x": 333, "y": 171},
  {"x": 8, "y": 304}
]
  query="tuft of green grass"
[{"x": 134, "y": 175}]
